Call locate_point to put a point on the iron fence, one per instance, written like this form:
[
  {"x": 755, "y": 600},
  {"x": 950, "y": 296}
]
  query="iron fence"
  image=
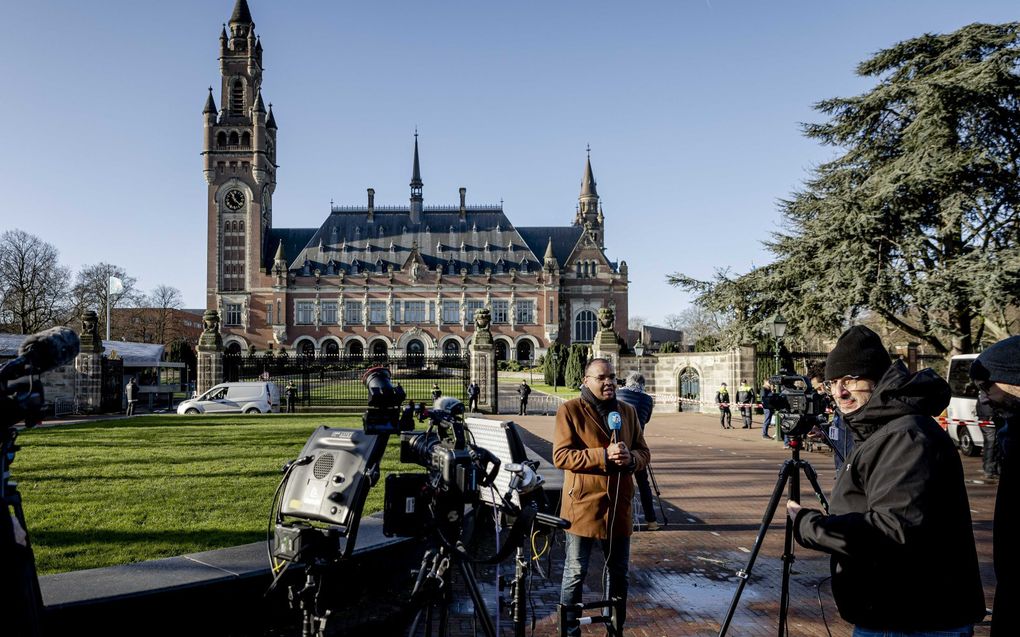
[{"x": 335, "y": 381}]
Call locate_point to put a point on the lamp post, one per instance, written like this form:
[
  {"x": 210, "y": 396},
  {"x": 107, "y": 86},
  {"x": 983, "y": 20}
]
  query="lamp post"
[
  {"x": 639, "y": 349},
  {"x": 777, "y": 328},
  {"x": 556, "y": 372}
]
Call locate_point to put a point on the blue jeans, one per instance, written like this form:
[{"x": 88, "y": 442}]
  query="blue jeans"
[
  {"x": 575, "y": 567},
  {"x": 963, "y": 631},
  {"x": 765, "y": 424}
]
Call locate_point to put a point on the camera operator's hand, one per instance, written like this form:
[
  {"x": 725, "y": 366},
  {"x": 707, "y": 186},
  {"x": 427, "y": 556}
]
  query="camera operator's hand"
[
  {"x": 792, "y": 508},
  {"x": 618, "y": 454}
]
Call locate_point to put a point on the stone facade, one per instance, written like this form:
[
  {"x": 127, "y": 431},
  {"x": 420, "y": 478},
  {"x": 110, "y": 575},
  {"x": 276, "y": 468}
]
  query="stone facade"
[{"x": 374, "y": 279}]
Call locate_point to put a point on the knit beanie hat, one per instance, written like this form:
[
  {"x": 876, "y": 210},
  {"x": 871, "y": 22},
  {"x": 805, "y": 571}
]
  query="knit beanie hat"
[
  {"x": 1000, "y": 363},
  {"x": 858, "y": 352}
]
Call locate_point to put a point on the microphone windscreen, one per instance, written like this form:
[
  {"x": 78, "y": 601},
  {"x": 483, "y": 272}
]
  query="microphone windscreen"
[
  {"x": 615, "y": 421},
  {"x": 50, "y": 348}
]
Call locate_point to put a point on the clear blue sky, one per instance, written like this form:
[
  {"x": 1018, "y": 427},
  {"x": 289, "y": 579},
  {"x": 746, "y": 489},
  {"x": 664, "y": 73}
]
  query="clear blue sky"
[{"x": 692, "y": 109}]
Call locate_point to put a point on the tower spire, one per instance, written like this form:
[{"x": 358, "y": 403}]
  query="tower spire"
[
  {"x": 241, "y": 14},
  {"x": 588, "y": 182},
  {"x": 416, "y": 185}
]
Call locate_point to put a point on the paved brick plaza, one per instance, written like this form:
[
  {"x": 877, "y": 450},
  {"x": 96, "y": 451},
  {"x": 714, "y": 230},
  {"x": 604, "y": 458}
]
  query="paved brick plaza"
[{"x": 716, "y": 484}]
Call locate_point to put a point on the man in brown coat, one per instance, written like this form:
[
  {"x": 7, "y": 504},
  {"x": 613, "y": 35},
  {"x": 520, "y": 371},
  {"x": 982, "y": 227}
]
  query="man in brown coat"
[{"x": 598, "y": 464}]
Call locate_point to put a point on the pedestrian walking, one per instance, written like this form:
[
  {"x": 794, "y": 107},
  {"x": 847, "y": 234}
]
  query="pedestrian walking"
[
  {"x": 472, "y": 392},
  {"x": 722, "y": 398}
]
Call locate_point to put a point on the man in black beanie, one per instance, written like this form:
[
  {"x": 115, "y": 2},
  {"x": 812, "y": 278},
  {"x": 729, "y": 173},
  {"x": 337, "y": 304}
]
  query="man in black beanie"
[
  {"x": 898, "y": 502},
  {"x": 997, "y": 373}
]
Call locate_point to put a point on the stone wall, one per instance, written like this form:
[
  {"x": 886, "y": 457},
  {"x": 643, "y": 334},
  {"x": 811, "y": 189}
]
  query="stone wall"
[{"x": 662, "y": 375}]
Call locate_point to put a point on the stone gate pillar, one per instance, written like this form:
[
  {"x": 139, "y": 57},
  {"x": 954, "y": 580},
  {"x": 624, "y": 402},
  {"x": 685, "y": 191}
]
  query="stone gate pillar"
[
  {"x": 605, "y": 344},
  {"x": 88, "y": 386},
  {"x": 210, "y": 353},
  {"x": 483, "y": 363}
]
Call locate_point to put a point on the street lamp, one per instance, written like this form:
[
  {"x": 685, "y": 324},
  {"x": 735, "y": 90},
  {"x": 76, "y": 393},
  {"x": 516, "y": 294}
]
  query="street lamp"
[
  {"x": 777, "y": 328},
  {"x": 556, "y": 369},
  {"x": 639, "y": 349}
]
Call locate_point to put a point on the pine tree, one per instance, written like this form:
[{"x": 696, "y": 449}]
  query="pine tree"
[{"x": 574, "y": 374}]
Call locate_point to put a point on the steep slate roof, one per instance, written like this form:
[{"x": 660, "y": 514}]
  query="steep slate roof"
[
  {"x": 294, "y": 239},
  {"x": 241, "y": 13},
  {"x": 348, "y": 236},
  {"x": 564, "y": 238}
]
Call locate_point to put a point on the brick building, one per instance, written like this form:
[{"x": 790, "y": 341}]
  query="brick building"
[{"x": 373, "y": 279}]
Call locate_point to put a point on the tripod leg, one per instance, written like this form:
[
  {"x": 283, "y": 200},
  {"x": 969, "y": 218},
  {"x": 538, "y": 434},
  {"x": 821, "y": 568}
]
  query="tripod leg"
[
  {"x": 788, "y": 469},
  {"x": 812, "y": 477},
  {"x": 476, "y": 596},
  {"x": 658, "y": 495}
]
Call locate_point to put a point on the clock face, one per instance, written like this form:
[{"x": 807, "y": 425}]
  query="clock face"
[{"x": 234, "y": 199}]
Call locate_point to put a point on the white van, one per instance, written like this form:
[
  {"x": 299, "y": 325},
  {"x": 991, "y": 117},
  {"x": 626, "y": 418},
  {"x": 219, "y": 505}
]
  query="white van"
[
  {"x": 961, "y": 415},
  {"x": 226, "y": 398}
]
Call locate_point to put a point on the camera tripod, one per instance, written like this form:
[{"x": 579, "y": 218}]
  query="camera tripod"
[
  {"x": 790, "y": 472},
  {"x": 19, "y": 583},
  {"x": 433, "y": 590},
  {"x": 654, "y": 484}
]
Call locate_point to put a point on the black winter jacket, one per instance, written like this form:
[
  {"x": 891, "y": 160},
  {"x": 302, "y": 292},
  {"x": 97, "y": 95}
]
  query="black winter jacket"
[
  {"x": 639, "y": 400},
  {"x": 899, "y": 529}
]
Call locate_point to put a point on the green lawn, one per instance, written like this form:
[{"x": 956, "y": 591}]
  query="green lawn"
[
  {"x": 111, "y": 492},
  {"x": 560, "y": 391}
]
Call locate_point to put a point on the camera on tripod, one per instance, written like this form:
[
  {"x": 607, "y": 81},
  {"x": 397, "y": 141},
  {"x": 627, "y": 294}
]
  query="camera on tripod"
[
  {"x": 799, "y": 408},
  {"x": 324, "y": 489}
]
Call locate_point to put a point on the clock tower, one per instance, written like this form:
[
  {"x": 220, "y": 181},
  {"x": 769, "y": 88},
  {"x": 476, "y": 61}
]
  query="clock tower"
[{"x": 239, "y": 153}]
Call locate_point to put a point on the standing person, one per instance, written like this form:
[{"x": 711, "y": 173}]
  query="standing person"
[
  {"x": 997, "y": 373},
  {"x": 633, "y": 393},
  {"x": 722, "y": 398},
  {"x": 989, "y": 450},
  {"x": 745, "y": 398},
  {"x": 900, "y": 500},
  {"x": 472, "y": 393},
  {"x": 524, "y": 390},
  {"x": 840, "y": 438},
  {"x": 766, "y": 397},
  {"x": 436, "y": 392},
  {"x": 597, "y": 464},
  {"x": 131, "y": 393},
  {"x": 291, "y": 393}
]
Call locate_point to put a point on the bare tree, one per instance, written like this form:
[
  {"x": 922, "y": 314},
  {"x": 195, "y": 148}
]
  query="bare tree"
[
  {"x": 637, "y": 322},
  {"x": 696, "y": 323},
  {"x": 162, "y": 303},
  {"x": 91, "y": 289},
  {"x": 33, "y": 285}
]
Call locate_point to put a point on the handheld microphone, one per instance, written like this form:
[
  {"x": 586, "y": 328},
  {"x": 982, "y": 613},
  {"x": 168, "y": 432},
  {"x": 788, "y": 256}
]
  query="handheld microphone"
[
  {"x": 615, "y": 423},
  {"x": 42, "y": 352}
]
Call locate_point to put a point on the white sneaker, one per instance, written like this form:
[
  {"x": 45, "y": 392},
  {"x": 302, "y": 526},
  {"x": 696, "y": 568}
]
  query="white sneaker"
[{"x": 652, "y": 526}]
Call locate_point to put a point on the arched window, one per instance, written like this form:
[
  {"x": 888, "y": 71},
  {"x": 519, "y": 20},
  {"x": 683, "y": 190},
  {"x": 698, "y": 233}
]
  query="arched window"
[
  {"x": 451, "y": 349},
  {"x": 355, "y": 350},
  {"x": 221, "y": 139},
  {"x": 501, "y": 350},
  {"x": 237, "y": 98},
  {"x": 308, "y": 349},
  {"x": 415, "y": 353},
  {"x": 578, "y": 266},
  {"x": 234, "y": 349},
  {"x": 240, "y": 226},
  {"x": 234, "y": 140},
  {"x": 246, "y": 140},
  {"x": 331, "y": 349},
  {"x": 379, "y": 350},
  {"x": 585, "y": 325},
  {"x": 524, "y": 351}
]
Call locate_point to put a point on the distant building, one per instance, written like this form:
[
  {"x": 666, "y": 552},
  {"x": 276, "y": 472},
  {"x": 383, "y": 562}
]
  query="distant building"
[
  {"x": 372, "y": 279},
  {"x": 654, "y": 337},
  {"x": 155, "y": 325}
]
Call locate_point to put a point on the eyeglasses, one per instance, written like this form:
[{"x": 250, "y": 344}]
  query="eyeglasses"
[
  {"x": 849, "y": 383},
  {"x": 601, "y": 378}
]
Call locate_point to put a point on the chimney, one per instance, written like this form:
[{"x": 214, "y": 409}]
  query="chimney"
[
  {"x": 371, "y": 204},
  {"x": 463, "y": 204}
]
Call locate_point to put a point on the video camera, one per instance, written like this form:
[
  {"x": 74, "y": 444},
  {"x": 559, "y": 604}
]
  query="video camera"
[
  {"x": 324, "y": 489},
  {"x": 798, "y": 406}
]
